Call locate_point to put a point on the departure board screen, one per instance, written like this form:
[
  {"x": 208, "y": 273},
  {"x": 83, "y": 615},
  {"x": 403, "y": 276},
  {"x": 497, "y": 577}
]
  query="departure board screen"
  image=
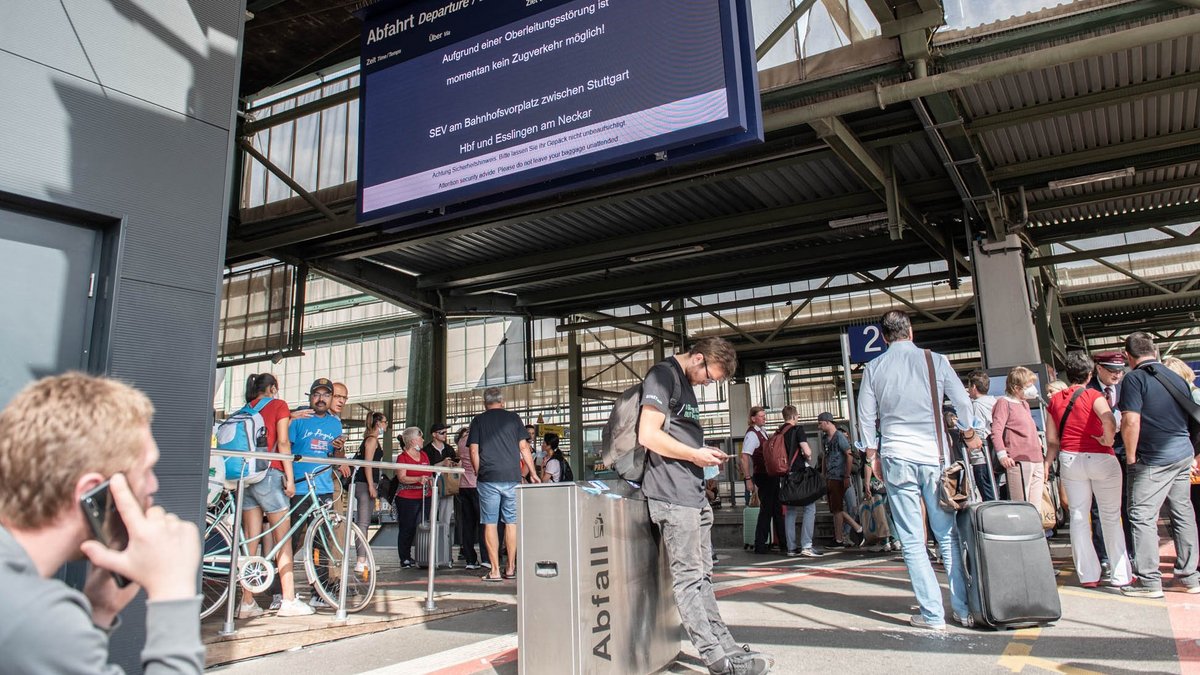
[{"x": 468, "y": 98}]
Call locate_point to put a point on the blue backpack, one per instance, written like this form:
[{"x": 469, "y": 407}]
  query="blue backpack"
[{"x": 246, "y": 431}]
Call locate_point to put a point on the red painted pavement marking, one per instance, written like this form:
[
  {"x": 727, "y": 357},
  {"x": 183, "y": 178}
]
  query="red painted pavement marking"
[
  {"x": 481, "y": 664},
  {"x": 1183, "y": 611}
]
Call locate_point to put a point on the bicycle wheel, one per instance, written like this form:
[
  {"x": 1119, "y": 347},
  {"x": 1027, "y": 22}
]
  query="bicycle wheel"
[
  {"x": 214, "y": 569},
  {"x": 323, "y": 563}
]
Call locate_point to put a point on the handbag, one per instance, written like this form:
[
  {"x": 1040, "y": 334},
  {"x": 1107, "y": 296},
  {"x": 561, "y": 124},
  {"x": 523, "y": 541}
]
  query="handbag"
[
  {"x": 450, "y": 484},
  {"x": 953, "y": 494},
  {"x": 801, "y": 487}
]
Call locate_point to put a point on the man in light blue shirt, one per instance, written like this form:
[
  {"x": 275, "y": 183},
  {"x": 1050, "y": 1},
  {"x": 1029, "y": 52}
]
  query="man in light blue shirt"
[{"x": 895, "y": 391}]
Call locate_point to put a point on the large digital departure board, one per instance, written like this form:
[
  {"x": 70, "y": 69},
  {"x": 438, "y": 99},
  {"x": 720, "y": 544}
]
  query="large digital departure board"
[{"x": 468, "y": 98}]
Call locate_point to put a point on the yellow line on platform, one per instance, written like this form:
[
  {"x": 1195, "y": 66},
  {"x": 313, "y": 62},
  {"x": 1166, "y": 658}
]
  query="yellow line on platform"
[{"x": 1016, "y": 657}]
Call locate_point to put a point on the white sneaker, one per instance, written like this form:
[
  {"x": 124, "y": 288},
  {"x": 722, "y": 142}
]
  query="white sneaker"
[
  {"x": 294, "y": 607},
  {"x": 809, "y": 553},
  {"x": 360, "y": 567},
  {"x": 276, "y": 601},
  {"x": 249, "y": 610},
  {"x": 317, "y": 603}
]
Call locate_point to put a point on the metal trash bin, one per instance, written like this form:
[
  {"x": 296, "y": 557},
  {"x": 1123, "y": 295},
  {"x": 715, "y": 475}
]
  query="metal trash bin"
[{"x": 594, "y": 588}]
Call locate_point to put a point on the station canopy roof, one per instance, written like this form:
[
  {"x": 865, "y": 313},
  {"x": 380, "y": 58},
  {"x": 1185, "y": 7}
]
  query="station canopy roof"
[{"x": 1073, "y": 121}]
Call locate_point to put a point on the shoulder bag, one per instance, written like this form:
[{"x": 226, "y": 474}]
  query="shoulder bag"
[{"x": 953, "y": 494}]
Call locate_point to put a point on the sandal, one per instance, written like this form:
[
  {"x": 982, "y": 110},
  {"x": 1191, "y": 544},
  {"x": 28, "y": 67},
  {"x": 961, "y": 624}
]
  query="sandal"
[
  {"x": 495, "y": 580},
  {"x": 510, "y": 575}
]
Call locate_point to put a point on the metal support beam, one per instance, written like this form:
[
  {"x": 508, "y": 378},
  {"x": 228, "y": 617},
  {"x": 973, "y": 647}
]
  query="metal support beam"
[
  {"x": 288, "y": 180},
  {"x": 823, "y": 291},
  {"x": 784, "y": 26},
  {"x": 1075, "y": 104},
  {"x": 380, "y": 281},
  {"x": 737, "y": 329},
  {"x": 1121, "y": 270},
  {"x": 252, "y": 127},
  {"x": 846, "y": 146},
  {"x": 795, "y": 311},
  {"x": 1122, "y": 303},
  {"x": 620, "y": 359},
  {"x": 881, "y": 97},
  {"x": 1122, "y": 249},
  {"x": 657, "y": 332},
  {"x": 575, "y": 406},
  {"x": 1074, "y": 160},
  {"x": 867, "y": 276}
]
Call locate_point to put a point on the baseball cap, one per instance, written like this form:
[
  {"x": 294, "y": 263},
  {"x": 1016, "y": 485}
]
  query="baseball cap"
[
  {"x": 321, "y": 383},
  {"x": 1111, "y": 360},
  {"x": 825, "y": 417},
  {"x": 438, "y": 427}
]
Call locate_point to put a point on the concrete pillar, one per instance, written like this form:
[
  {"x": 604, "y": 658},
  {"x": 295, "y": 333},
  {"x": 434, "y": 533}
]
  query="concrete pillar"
[
  {"x": 426, "y": 402},
  {"x": 1002, "y": 302}
]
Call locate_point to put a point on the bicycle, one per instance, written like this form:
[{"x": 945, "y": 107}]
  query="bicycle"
[{"x": 322, "y": 552}]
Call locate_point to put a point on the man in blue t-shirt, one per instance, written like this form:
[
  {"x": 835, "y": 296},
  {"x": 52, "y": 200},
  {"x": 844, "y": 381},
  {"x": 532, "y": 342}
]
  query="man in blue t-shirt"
[
  {"x": 1158, "y": 451},
  {"x": 313, "y": 437}
]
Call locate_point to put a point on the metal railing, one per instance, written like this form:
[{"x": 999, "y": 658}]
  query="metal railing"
[{"x": 231, "y": 604}]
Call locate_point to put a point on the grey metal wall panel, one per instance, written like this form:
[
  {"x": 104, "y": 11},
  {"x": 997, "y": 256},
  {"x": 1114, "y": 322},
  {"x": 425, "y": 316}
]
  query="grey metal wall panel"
[
  {"x": 143, "y": 139},
  {"x": 99, "y": 149},
  {"x": 156, "y": 334},
  {"x": 169, "y": 52},
  {"x": 23, "y": 27}
]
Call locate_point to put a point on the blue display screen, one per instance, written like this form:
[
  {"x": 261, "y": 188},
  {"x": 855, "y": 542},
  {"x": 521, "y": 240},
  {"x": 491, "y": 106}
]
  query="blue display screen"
[{"x": 469, "y": 98}]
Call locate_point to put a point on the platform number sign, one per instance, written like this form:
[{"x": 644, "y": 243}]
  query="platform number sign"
[{"x": 866, "y": 342}]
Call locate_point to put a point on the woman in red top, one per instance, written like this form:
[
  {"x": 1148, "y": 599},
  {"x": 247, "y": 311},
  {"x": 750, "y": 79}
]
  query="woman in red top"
[
  {"x": 412, "y": 497},
  {"x": 270, "y": 495},
  {"x": 1088, "y": 466}
]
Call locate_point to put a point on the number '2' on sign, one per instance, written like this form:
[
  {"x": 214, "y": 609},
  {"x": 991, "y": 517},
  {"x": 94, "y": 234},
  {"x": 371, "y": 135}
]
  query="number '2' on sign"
[{"x": 866, "y": 342}]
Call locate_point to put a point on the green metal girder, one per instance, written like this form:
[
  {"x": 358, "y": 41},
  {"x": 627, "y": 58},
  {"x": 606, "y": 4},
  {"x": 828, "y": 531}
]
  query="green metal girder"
[
  {"x": 1052, "y": 31},
  {"x": 381, "y": 282},
  {"x": 1075, "y": 104},
  {"x": 1109, "y": 195},
  {"x": 1147, "y": 147},
  {"x": 583, "y": 259},
  {"x": 1123, "y": 249}
]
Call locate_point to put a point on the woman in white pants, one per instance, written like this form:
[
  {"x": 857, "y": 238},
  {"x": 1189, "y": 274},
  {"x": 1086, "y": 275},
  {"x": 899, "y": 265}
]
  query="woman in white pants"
[{"x": 1080, "y": 429}]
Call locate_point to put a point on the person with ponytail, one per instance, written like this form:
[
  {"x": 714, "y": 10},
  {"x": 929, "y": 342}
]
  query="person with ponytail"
[
  {"x": 270, "y": 496},
  {"x": 365, "y": 480}
]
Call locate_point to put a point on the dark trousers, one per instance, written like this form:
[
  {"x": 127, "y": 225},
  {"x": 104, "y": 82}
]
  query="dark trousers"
[
  {"x": 1097, "y": 535},
  {"x": 769, "y": 515},
  {"x": 408, "y": 516},
  {"x": 467, "y": 508},
  {"x": 298, "y": 536},
  {"x": 984, "y": 481}
]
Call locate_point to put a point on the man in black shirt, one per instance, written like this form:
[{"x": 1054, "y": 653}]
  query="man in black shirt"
[
  {"x": 1158, "y": 451},
  {"x": 674, "y": 488},
  {"x": 499, "y": 446}
]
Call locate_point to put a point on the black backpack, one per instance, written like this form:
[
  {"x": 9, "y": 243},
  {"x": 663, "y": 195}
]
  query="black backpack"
[
  {"x": 620, "y": 449},
  {"x": 565, "y": 474}
]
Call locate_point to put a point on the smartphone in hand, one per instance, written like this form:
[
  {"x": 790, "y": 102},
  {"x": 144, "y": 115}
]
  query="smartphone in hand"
[{"x": 105, "y": 522}]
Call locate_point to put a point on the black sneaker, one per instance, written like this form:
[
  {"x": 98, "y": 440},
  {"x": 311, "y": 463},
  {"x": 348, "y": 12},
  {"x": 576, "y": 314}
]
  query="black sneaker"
[
  {"x": 738, "y": 665},
  {"x": 747, "y": 654},
  {"x": 408, "y": 563}
]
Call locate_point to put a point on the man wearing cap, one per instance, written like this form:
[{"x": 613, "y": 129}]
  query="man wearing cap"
[
  {"x": 1158, "y": 452},
  {"x": 314, "y": 436},
  {"x": 836, "y": 461},
  {"x": 1110, "y": 369},
  {"x": 441, "y": 453}
]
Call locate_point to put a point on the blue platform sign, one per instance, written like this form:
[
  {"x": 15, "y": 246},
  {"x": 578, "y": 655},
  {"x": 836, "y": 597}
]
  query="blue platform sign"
[{"x": 866, "y": 342}]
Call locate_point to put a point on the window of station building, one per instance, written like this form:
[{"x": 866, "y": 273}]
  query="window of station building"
[{"x": 489, "y": 352}]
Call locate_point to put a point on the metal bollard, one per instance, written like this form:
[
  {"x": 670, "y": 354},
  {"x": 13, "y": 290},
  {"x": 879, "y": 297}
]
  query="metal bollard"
[
  {"x": 433, "y": 518},
  {"x": 231, "y": 604},
  {"x": 341, "y": 610}
]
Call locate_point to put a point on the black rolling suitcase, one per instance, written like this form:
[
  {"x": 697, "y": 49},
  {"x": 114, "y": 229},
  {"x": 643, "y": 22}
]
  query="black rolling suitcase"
[{"x": 1006, "y": 560}]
